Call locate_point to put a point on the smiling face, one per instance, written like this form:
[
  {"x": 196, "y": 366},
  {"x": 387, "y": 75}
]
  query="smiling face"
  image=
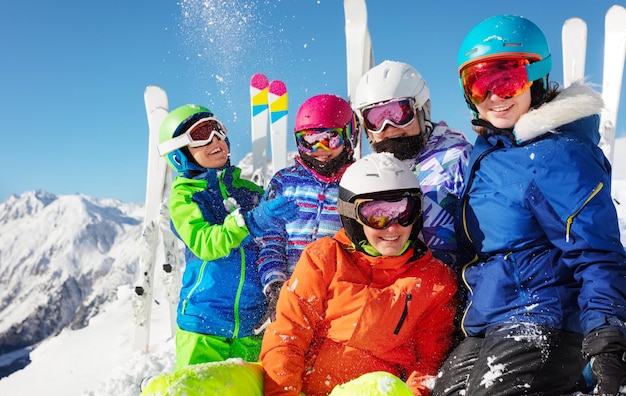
[
  {"x": 504, "y": 113},
  {"x": 389, "y": 241},
  {"x": 211, "y": 156}
]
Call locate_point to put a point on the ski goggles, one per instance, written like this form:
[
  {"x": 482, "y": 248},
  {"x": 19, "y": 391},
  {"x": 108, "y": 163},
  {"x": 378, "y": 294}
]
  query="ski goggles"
[
  {"x": 199, "y": 134},
  {"x": 399, "y": 113},
  {"x": 381, "y": 213},
  {"x": 506, "y": 78},
  {"x": 310, "y": 140}
]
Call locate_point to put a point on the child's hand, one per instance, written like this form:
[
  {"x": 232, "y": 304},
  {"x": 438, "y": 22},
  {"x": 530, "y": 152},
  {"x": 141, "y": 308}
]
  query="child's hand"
[
  {"x": 231, "y": 204},
  {"x": 272, "y": 214},
  {"x": 272, "y": 293}
]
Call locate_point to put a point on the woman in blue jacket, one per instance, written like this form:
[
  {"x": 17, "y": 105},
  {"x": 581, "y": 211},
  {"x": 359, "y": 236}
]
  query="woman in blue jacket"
[{"x": 548, "y": 279}]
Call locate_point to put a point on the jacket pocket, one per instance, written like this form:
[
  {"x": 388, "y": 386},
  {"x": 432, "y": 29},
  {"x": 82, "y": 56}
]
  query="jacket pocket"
[{"x": 405, "y": 312}]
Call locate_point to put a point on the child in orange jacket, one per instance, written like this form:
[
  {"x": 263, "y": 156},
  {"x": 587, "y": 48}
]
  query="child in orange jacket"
[{"x": 370, "y": 299}]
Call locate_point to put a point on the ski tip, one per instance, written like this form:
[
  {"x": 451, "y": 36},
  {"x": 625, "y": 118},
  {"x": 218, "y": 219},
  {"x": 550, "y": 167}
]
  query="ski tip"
[
  {"x": 259, "y": 81},
  {"x": 154, "y": 89},
  {"x": 575, "y": 22},
  {"x": 278, "y": 88},
  {"x": 616, "y": 9}
]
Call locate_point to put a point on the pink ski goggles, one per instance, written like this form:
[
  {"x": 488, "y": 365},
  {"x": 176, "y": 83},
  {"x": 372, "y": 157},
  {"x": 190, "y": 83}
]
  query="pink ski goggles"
[
  {"x": 382, "y": 213},
  {"x": 399, "y": 113}
]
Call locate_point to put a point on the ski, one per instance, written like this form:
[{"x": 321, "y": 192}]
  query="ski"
[
  {"x": 157, "y": 109},
  {"x": 612, "y": 73},
  {"x": 574, "y": 39},
  {"x": 260, "y": 122},
  {"x": 359, "y": 53},
  {"x": 278, "y": 102},
  {"x": 172, "y": 255}
]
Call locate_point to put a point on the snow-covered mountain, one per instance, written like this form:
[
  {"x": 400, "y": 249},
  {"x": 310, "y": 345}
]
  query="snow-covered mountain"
[
  {"x": 67, "y": 270},
  {"x": 59, "y": 257}
]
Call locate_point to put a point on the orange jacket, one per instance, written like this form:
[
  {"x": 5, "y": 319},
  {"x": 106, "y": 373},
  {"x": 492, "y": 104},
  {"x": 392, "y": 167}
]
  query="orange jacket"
[{"x": 344, "y": 313}]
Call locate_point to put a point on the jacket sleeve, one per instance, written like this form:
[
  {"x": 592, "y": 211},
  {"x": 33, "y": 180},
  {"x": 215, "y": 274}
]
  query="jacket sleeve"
[
  {"x": 205, "y": 240},
  {"x": 286, "y": 340},
  {"x": 578, "y": 216},
  {"x": 272, "y": 261}
]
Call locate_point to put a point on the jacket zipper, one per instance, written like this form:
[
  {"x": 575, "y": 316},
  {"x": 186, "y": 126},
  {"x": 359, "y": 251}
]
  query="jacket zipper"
[
  {"x": 405, "y": 312},
  {"x": 242, "y": 277},
  {"x": 195, "y": 286},
  {"x": 570, "y": 219},
  {"x": 465, "y": 196}
]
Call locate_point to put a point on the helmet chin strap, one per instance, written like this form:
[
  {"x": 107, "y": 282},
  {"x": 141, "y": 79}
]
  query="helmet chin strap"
[{"x": 506, "y": 132}]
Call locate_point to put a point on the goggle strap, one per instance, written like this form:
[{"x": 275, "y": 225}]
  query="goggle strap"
[
  {"x": 173, "y": 144},
  {"x": 184, "y": 139},
  {"x": 347, "y": 209},
  {"x": 539, "y": 69}
]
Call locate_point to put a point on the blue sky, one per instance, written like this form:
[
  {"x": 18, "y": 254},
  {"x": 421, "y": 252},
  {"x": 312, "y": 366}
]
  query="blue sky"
[{"x": 73, "y": 72}]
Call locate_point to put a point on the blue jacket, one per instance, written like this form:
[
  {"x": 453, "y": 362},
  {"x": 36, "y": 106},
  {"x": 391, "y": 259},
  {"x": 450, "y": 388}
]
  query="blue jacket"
[
  {"x": 221, "y": 291},
  {"x": 539, "y": 215}
]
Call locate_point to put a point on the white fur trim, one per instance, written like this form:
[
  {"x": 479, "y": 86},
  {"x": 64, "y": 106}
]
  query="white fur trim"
[{"x": 577, "y": 101}]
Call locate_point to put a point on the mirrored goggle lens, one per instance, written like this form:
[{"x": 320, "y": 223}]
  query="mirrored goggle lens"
[
  {"x": 381, "y": 214},
  {"x": 398, "y": 113},
  {"x": 506, "y": 78},
  {"x": 203, "y": 132},
  {"x": 310, "y": 140}
]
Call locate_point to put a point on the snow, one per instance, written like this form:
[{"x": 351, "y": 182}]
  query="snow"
[{"x": 99, "y": 359}]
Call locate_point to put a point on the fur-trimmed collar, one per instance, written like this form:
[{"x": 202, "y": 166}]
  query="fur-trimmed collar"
[{"x": 577, "y": 101}]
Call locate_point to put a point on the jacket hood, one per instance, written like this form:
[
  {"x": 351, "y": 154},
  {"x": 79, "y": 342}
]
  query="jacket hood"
[{"x": 577, "y": 101}]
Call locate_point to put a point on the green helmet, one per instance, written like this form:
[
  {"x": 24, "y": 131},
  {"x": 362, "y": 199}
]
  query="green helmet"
[{"x": 175, "y": 123}]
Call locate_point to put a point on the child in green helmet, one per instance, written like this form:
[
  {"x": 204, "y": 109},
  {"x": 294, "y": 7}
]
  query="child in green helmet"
[{"x": 218, "y": 216}]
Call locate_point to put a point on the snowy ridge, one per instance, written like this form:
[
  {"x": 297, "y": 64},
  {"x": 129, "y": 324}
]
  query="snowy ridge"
[{"x": 58, "y": 258}]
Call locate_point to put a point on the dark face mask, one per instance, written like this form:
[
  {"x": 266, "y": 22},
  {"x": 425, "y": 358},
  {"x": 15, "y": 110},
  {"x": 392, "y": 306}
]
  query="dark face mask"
[
  {"x": 405, "y": 147},
  {"x": 327, "y": 168}
]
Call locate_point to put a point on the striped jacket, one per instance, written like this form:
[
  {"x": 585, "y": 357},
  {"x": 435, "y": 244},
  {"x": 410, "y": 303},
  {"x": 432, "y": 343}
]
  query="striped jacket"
[{"x": 317, "y": 197}]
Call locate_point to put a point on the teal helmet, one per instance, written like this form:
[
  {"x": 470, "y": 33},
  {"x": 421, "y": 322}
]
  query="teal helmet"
[
  {"x": 504, "y": 36},
  {"x": 176, "y": 123}
]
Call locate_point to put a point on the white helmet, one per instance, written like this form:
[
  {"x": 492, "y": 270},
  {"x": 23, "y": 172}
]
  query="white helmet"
[
  {"x": 375, "y": 176},
  {"x": 390, "y": 80}
]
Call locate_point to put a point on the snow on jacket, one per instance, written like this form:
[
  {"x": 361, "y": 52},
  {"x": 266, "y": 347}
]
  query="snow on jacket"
[
  {"x": 440, "y": 169},
  {"x": 221, "y": 291},
  {"x": 540, "y": 216},
  {"x": 316, "y": 195},
  {"x": 344, "y": 313}
]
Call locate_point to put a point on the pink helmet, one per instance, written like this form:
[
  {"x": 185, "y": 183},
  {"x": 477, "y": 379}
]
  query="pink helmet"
[{"x": 324, "y": 111}]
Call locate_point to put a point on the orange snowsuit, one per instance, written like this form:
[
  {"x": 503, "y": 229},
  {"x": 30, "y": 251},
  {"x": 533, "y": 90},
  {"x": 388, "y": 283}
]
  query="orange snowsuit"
[{"x": 344, "y": 313}]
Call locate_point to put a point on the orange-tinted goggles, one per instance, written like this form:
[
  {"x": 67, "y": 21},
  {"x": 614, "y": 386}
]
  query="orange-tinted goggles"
[{"x": 506, "y": 78}]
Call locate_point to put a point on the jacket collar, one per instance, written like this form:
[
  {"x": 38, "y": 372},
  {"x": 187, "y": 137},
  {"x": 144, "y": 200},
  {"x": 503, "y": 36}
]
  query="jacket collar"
[{"x": 572, "y": 103}]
